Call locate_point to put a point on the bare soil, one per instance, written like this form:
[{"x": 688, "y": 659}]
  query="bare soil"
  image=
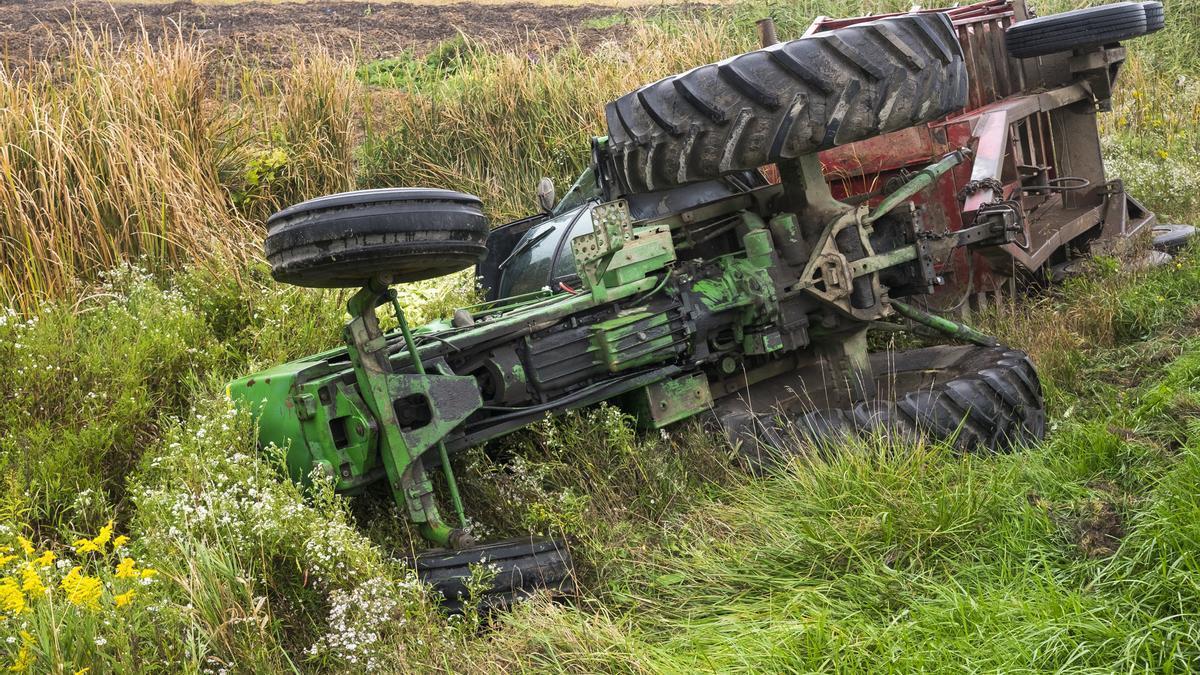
[{"x": 267, "y": 34}]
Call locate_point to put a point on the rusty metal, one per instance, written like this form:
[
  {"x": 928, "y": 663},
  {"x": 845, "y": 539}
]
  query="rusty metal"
[
  {"x": 766, "y": 32},
  {"x": 1030, "y": 122}
]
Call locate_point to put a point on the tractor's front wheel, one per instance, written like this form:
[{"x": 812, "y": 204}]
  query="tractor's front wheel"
[
  {"x": 404, "y": 234},
  {"x": 1085, "y": 28}
]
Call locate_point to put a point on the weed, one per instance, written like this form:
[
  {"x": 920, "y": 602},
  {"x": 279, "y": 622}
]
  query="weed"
[
  {"x": 410, "y": 73},
  {"x": 605, "y": 22}
]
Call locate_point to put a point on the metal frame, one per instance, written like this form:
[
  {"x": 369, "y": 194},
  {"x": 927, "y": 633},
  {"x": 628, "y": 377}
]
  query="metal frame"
[{"x": 1030, "y": 122}]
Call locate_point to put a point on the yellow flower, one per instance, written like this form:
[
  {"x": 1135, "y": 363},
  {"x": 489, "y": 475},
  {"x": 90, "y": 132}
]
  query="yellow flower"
[
  {"x": 147, "y": 573},
  {"x": 104, "y": 535},
  {"x": 85, "y": 546},
  {"x": 95, "y": 544},
  {"x": 45, "y": 560},
  {"x": 21, "y": 663},
  {"x": 126, "y": 569},
  {"x": 120, "y": 541},
  {"x": 12, "y": 600},
  {"x": 5, "y": 559},
  {"x": 124, "y": 598},
  {"x": 83, "y": 671},
  {"x": 26, "y": 546},
  {"x": 82, "y": 590},
  {"x": 1162, "y": 154},
  {"x": 31, "y": 583}
]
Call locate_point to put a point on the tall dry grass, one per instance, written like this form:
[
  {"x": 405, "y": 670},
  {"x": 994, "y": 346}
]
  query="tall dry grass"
[
  {"x": 134, "y": 151},
  {"x": 105, "y": 157},
  {"x": 497, "y": 123},
  {"x": 131, "y": 152}
]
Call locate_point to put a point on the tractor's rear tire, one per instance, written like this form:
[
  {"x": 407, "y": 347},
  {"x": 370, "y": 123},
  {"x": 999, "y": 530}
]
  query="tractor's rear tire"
[
  {"x": 791, "y": 99},
  {"x": 1083, "y": 28},
  {"x": 406, "y": 234},
  {"x": 522, "y": 567},
  {"x": 977, "y": 399}
]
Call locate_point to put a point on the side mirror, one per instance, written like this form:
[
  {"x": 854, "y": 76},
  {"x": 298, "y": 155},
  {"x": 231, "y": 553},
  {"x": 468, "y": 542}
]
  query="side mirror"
[{"x": 545, "y": 194}]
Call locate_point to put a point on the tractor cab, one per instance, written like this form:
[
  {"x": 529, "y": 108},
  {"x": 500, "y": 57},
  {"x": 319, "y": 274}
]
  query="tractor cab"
[{"x": 534, "y": 253}]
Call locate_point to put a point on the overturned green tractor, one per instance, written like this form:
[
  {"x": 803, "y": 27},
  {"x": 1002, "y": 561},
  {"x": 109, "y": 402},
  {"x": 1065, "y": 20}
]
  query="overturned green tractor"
[{"x": 674, "y": 280}]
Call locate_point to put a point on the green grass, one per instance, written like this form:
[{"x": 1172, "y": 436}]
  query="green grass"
[
  {"x": 1076, "y": 555},
  {"x": 410, "y": 72},
  {"x": 605, "y": 22}
]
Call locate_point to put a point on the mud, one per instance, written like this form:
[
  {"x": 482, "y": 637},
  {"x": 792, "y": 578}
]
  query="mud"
[
  {"x": 268, "y": 34},
  {"x": 1093, "y": 524},
  {"x": 1100, "y": 530}
]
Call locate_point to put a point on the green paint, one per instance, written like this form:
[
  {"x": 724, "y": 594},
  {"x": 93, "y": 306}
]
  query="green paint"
[
  {"x": 447, "y": 469},
  {"x": 663, "y": 403},
  {"x": 635, "y": 339},
  {"x": 714, "y": 292},
  {"x": 921, "y": 180},
  {"x": 951, "y": 328}
]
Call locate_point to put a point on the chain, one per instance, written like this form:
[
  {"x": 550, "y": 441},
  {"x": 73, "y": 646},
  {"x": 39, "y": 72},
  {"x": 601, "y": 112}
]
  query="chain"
[
  {"x": 979, "y": 185},
  {"x": 935, "y": 236}
]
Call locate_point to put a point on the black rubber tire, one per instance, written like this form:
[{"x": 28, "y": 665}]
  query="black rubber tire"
[
  {"x": 1156, "y": 16},
  {"x": 408, "y": 234},
  {"x": 1169, "y": 238},
  {"x": 523, "y": 566},
  {"x": 1081, "y": 28},
  {"x": 791, "y": 99},
  {"x": 978, "y": 399}
]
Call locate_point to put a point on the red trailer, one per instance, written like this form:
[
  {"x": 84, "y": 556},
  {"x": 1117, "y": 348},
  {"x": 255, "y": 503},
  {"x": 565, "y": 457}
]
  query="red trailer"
[{"x": 1031, "y": 124}]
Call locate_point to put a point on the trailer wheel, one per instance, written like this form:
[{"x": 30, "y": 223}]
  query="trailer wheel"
[
  {"x": 344, "y": 240},
  {"x": 1082, "y": 28},
  {"x": 522, "y": 567},
  {"x": 978, "y": 399},
  {"x": 787, "y": 100}
]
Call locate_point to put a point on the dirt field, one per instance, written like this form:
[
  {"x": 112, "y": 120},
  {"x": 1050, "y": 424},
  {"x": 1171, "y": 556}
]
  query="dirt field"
[{"x": 267, "y": 32}]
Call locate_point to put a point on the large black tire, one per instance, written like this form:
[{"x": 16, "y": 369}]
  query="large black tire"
[
  {"x": 1082, "y": 28},
  {"x": 978, "y": 399},
  {"x": 407, "y": 234},
  {"x": 787, "y": 100},
  {"x": 1156, "y": 16},
  {"x": 523, "y": 566}
]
